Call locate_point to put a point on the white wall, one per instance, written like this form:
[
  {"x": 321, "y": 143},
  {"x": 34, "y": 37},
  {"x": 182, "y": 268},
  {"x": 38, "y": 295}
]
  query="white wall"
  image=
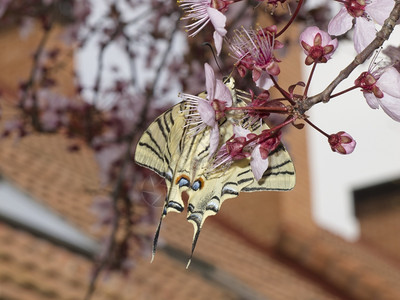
[{"x": 376, "y": 158}]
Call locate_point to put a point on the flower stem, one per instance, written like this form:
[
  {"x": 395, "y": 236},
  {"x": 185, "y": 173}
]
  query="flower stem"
[
  {"x": 274, "y": 129},
  {"x": 344, "y": 91},
  {"x": 272, "y": 109},
  {"x": 299, "y": 4},
  {"x": 282, "y": 91},
  {"x": 309, "y": 79},
  {"x": 316, "y": 127}
]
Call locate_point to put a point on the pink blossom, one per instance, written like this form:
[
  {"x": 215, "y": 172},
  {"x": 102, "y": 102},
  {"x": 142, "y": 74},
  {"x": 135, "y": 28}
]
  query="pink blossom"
[
  {"x": 365, "y": 13},
  {"x": 204, "y": 11},
  {"x": 342, "y": 142},
  {"x": 259, "y": 156},
  {"x": 317, "y": 45},
  {"x": 235, "y": 148},
  {"x": 203, "y": 113},
  {"x": 381, "y": 88},
  {"x": 244, "y": 144},
  {"x": 253, "y": 50}
]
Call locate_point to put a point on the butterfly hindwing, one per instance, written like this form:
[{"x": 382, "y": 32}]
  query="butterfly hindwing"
[
  {"x": 168, "y": 148},
  {"x": 280, "y": 175}
]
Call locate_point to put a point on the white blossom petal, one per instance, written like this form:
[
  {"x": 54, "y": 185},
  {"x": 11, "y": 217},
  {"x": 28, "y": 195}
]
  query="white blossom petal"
[
  {"x": 341, "y": 23},
  {"x": 214, "y": 139},
  {"x": 223, "y": 93},
  {"x": 265, "y": 82},
  {"x": 309, "y": 34},
  {"x": 218, "y": 20},
  {"x": 210, "y": 81},
  {"x": 391, "y": 106},
  {"x": 371, "y": 100},
  {"x": 218, "y": 42},
  {"x": 379, "y": 10},
  {"x": 258, "y": 165},
  {"x": 239, "y": 131},
  {"x": 364, "y": 33},
  {"x": 389, "y": 82},
  {"x": 207, "y": 112}
]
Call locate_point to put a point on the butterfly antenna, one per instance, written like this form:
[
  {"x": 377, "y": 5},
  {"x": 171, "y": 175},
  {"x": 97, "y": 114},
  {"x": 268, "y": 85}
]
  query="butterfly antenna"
[{"x": 213, "y": 52}]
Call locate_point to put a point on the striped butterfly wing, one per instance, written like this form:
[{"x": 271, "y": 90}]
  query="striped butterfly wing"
[
  {"x": 153, "y": 150},
  {"x": 183, "y": 160},
  {"x": 280, "y": 175}
]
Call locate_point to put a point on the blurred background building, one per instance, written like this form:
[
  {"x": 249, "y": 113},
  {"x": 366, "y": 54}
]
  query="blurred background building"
[{"x": 260, "y": 246}]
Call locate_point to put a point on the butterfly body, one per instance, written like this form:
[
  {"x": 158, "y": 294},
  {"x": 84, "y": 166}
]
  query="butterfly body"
[{"x": 170, "y": 148}]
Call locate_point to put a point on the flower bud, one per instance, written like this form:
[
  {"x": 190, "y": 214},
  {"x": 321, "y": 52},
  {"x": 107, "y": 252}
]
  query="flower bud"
[
  {"x": 317, "y": 45},
  {"x": 342, "y": 142}
]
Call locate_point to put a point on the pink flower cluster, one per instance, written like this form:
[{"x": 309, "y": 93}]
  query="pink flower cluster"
[
  {"x": 204, "y": 11},
  {"x": 253, "y": 50},
  {"x": 204, "y": 114},
  {"x": 245, "y": 144},
  {"x": 365, "y": 13},
  {"x": 381, "y": 89}
]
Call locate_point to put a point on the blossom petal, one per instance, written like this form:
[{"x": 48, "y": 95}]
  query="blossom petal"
[
  {"x": 258, "y": 165},
  {"x": 391, "y": 106},
  {"x": 265, "y": 82},
  {"x": 379, "y": 10},
  {"x": 218, "y": 20},
  {"x": 239, "y": 131},
  {"x": 308, "y": 35},
  {"x": 207, "y": 112},
  {"x": 334, "y": 43},
  {"x": 371, "y": 100},
  {"x": 214, "y": 139},
  {"x": 341, "y": 23},
  {"x": 218, "y": 42},
  {"x": 364, "y": 33},
  {"x": 389, "y": 82},
  {"x": 223, "y": 93},
  {"x": 210, "y": 81}
]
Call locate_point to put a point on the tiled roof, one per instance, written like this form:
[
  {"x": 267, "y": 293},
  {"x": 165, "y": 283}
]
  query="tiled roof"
[
  {"x": 34, "y": 269},
  {"x": 350, "y": 267},
  {"x": 41, "y": 166},
  {"x": 257, "y": 269}
]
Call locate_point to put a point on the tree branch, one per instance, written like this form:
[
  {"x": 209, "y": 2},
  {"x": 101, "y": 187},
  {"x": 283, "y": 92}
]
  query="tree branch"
[{"x": 380, "y": 38}]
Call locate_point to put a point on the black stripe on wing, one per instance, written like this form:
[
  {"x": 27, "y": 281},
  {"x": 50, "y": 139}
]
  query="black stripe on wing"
[
  {"x": 262, "y": 188},
  {"x": 159, "y": 172},
  {"x": 162, "y": 130},
  {"x": 142, "y": 144}
]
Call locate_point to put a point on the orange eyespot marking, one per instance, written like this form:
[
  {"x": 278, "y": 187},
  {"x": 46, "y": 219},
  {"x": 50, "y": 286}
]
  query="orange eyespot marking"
[
  {"x": 183, "y": 180},
  {"x": 198, "y": 184}
]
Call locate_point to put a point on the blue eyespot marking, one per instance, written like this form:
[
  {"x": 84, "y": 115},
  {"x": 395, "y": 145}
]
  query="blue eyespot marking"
[
  {"x": 183, "y": 181},
  {"x": 198, "y": 184}
]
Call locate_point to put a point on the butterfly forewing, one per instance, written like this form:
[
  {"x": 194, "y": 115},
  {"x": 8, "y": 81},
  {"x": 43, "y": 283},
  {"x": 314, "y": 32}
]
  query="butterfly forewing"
[{"x": 183, "y": 159}]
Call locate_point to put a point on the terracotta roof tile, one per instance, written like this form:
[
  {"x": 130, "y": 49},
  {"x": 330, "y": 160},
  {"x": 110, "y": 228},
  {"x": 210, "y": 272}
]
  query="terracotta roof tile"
[
  {"x": 31, "y": 268},
  {"x": 41, "y": 166},
  {"x": 256, "y": 270},
  {"x": 348, "y": 266}
]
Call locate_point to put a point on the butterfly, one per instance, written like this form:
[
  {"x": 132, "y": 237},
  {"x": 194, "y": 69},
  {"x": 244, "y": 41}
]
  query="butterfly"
[{"x": 183, "y": 160}]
